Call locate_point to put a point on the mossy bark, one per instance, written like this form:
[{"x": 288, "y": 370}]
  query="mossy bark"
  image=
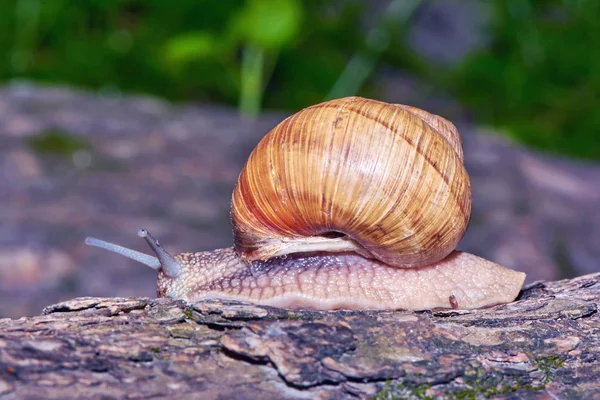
[{"x": 544, "y": 345}]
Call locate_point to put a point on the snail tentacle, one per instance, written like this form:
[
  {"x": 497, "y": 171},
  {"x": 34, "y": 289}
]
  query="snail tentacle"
[
  {"x": 140, "y": 257},
  {"x": 163, "y": 260},
  {"x": 168, "y": 263}
]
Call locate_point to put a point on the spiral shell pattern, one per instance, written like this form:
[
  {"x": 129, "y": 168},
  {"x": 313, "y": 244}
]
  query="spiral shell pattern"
[{"x": 389, "y": 177}]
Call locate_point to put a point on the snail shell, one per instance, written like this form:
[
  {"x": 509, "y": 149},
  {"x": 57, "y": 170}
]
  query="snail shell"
[{"x": 384, "y": 180}]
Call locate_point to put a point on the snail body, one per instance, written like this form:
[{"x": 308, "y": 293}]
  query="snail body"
[{"x": 351, "y": 203}]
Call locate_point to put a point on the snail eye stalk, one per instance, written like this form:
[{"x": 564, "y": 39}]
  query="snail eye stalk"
[
  {"x": 163, "y": 259},
  {"x": 169, "y": 264}
]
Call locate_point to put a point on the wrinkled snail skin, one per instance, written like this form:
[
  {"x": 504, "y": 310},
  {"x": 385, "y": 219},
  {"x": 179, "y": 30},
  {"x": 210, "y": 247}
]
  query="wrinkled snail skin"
[
  {"x": 352, "y": 203},
  {"x": 327, "y": 281}
]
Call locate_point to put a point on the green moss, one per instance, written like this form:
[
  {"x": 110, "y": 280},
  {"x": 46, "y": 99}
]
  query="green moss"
[
  {"x": 479, "y": 384},
  {"x": 58, "y": 142},
  {"x": 491, "y": 385},
  {"x": 398, "y": 391},
  {"x": 476, "y": 391},
  {"x": 155, "y": 350},
  {"x": 188, "y": 314},
  {"x": 420, "y": 391},
  {"x": 549, "y": 365}
]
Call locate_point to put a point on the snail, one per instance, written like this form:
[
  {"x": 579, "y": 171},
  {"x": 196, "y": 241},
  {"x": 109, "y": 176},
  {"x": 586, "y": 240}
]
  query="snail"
[{"x": 351, "y": 203}]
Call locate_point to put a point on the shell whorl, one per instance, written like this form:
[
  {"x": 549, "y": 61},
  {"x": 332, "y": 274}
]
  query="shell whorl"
[{"x": 390, "y": 177}]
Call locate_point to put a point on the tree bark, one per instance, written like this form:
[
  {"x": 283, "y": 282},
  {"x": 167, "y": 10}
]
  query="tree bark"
[{"x": 545, "y": 345}]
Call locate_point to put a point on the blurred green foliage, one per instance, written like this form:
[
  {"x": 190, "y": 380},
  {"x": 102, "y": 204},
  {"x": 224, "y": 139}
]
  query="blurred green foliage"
[
  {"x": 537, "y": 79},
  {"x": 58, "y": 143},
  {"x": 184, "y": 50},
  {"x": 540, "y": 77}
]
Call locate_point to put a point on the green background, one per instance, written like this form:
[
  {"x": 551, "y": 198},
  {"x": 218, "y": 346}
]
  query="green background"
[{"x": 537, "y": 79}]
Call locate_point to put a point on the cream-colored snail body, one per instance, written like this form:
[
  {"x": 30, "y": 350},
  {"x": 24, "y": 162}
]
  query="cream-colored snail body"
[{"x": 352, "y": 203}]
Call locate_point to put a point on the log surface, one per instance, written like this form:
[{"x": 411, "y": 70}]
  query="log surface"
[{"x": 545, "y": 345}]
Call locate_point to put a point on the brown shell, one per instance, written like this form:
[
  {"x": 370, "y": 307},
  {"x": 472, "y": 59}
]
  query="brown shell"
[{"x": 390, "y": 177}]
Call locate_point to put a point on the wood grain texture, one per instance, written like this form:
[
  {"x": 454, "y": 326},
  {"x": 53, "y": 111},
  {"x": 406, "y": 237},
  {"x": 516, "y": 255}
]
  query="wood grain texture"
[{"x": 544, "y": 345}]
